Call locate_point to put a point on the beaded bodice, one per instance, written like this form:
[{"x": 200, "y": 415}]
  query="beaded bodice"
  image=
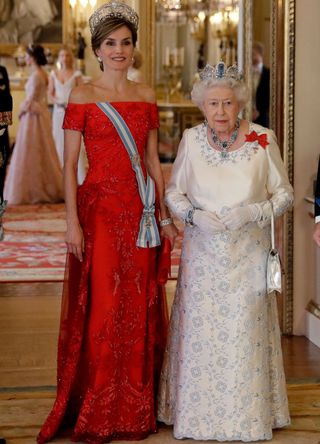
[{"x": 108, "y": 160}]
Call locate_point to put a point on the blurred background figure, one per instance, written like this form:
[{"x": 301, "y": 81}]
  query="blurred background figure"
[
  {"x": 261, "y": 86},
  {"x": 134, "y": 72},
  {"x": 34, "y": 175},
  {"x": 5, "y": 120},
  {"x": 81, "y": 46},
  {"x": 201, "y": 62},
  {"x": 80, "y": 51},
  {"x": 61, "y": 81}
]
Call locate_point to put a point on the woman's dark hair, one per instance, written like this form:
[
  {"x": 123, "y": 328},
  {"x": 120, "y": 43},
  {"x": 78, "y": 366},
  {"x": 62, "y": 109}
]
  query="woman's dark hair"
[
  {"x": 37, "y": 53},
  {"x": 105, "y": 28}
]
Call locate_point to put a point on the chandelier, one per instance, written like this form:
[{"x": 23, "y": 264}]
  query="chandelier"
[
  {"x": 80, "y": 11},
  {"x": 223, "y": 15},
  {"x": 173, "y": 5},
  {"x": 224, "y": 22},
  {"x": 172, "y": 11}
]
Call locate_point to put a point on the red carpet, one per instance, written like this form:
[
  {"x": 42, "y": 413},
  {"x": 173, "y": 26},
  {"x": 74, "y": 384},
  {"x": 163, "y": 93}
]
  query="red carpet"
[{"x": 33, "y": 248}]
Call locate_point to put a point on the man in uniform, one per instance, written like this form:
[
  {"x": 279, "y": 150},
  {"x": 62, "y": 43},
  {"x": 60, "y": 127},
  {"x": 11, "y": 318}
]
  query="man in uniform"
[{"x": 5, "y": 120}]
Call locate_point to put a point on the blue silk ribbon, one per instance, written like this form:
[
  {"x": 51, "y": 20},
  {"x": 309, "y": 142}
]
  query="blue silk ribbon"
[{"x": 148, "y": 233}]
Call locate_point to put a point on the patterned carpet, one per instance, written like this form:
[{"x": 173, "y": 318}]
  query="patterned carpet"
[{"x": 33, "y": 248}]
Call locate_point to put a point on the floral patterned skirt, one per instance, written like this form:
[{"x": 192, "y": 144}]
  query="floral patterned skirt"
[{"x": 223, "y": 375}]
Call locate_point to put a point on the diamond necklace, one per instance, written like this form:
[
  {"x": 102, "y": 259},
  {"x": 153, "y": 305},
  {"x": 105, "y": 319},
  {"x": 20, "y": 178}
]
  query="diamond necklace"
[{"x": 224, "y": 145}]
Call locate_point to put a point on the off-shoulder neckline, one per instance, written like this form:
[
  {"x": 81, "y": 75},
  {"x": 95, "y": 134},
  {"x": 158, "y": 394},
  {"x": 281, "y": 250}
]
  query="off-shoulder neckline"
[{"x": 113, "y": 101}]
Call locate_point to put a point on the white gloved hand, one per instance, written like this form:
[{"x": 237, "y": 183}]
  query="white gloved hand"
[
  {"x": 239, "y": 216},
  {"x": 208, "y": 222}
]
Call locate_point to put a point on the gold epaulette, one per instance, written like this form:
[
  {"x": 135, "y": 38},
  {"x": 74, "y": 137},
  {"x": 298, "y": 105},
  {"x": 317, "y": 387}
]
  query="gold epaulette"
[{"x": 5, "y": 117}]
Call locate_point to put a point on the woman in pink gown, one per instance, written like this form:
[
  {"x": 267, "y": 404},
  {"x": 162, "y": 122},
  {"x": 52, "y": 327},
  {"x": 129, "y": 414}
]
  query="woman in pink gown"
[{"x": 34, "y": 175}]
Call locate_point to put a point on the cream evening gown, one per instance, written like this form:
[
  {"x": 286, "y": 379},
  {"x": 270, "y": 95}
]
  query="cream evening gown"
[{"x": 223, "y": 376}]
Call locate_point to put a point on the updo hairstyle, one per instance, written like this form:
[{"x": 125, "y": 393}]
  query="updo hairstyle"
[{"x": 37, "y": 53}]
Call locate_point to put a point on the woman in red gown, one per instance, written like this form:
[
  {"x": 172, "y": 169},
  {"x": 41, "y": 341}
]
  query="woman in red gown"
[{"x": 113, "y": 320}]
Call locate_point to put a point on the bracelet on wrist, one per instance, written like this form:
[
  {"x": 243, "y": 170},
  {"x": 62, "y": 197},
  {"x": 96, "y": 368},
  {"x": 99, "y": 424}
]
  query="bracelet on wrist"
[
  {"x": 165, "y": 222},
  {"x": 189, "y": 217}
]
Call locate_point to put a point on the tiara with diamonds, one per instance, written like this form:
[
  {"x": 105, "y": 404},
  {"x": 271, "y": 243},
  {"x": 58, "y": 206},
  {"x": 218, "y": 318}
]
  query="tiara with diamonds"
[
  {"x": 220, "y": 71},
  {"x": 113, "y": 9}
]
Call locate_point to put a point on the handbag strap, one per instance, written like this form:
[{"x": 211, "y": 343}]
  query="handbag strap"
[
  {"x": 272, "y": 228},
  {"x": 148, "y": 231}
]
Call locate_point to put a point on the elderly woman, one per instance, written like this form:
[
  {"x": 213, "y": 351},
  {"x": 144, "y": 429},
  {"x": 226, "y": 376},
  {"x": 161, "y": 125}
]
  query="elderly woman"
[{"x": 223, "y": 375}]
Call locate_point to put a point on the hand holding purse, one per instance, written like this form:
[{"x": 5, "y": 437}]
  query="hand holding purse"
[{"x": 274, "y": 272}]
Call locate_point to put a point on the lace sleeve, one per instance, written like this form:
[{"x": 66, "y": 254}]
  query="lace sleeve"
[
  {"x": 278, "y": 185},
  {"x": 74, "y": 118},
  {"x": 176, "y": 193}
]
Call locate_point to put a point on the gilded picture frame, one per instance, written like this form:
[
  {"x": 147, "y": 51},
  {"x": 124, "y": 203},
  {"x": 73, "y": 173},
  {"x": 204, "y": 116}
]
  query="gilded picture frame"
[
  {"x": 282, "y": 34},
  {"x": 22, "y": 23},
  {"x": 282, "y": 69}
]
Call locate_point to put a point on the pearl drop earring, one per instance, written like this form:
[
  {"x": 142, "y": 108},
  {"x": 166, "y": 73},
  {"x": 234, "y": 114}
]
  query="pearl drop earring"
[{"x": 99, "y": 59}]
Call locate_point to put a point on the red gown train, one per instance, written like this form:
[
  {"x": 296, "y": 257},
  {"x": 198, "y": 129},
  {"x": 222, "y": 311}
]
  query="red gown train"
[{"x": 113, "y": 317}]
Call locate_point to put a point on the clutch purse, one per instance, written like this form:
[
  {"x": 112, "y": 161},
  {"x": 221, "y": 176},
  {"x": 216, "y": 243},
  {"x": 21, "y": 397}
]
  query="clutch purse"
[
  {"x": 164, "y": 261},
  {"x": 274, "y": 272}
]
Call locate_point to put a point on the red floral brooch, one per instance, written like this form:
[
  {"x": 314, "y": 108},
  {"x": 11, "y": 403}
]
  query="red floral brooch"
[{"x": 261, "y": 139}]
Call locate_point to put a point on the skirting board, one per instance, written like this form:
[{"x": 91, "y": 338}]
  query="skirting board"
[{"x": 313, "y": 328}]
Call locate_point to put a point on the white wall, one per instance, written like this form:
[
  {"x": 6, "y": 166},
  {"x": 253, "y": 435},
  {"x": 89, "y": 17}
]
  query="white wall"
[{"x": 307, "y": 150}]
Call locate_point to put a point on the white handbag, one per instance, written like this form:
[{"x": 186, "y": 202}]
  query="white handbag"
[{"x": 274, "y": 272}]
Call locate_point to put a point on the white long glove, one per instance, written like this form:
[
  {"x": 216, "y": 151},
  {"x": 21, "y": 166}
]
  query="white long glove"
[
  {"x": 208, "y": 222},
  {"x": 239, "y": 216}
]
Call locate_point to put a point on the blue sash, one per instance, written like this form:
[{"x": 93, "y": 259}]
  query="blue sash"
[{"x": 148, "y": 234}]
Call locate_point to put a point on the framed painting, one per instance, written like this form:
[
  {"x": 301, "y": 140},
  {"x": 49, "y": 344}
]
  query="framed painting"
[{"x": 26, "y": 21}]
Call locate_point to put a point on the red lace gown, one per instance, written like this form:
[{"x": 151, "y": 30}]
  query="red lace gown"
[{"x": 113, "y": 317}]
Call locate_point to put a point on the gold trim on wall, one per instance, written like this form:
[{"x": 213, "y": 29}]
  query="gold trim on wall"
[
  {"x": 274, "y": 56},
  {"x": 282, "y": 42},
  {"x": 282, "y": 122},
  {"x": 7, "y": 50},
  {"x": 146, "y": 41},
  {"x": 288, "y": 155},
  {"x": 247, "y": 31}
]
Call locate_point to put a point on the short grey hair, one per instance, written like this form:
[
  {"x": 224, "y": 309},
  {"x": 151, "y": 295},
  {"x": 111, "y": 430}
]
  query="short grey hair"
[{"x": 201, "y": 86}]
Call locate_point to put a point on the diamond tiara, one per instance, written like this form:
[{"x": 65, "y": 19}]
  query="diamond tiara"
[
  {"x": 113, "y": 9},
  {"x": 220, "y": 71}
]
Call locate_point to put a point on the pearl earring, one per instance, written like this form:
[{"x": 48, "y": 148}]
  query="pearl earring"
[{"x": 99, "y": 59}]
